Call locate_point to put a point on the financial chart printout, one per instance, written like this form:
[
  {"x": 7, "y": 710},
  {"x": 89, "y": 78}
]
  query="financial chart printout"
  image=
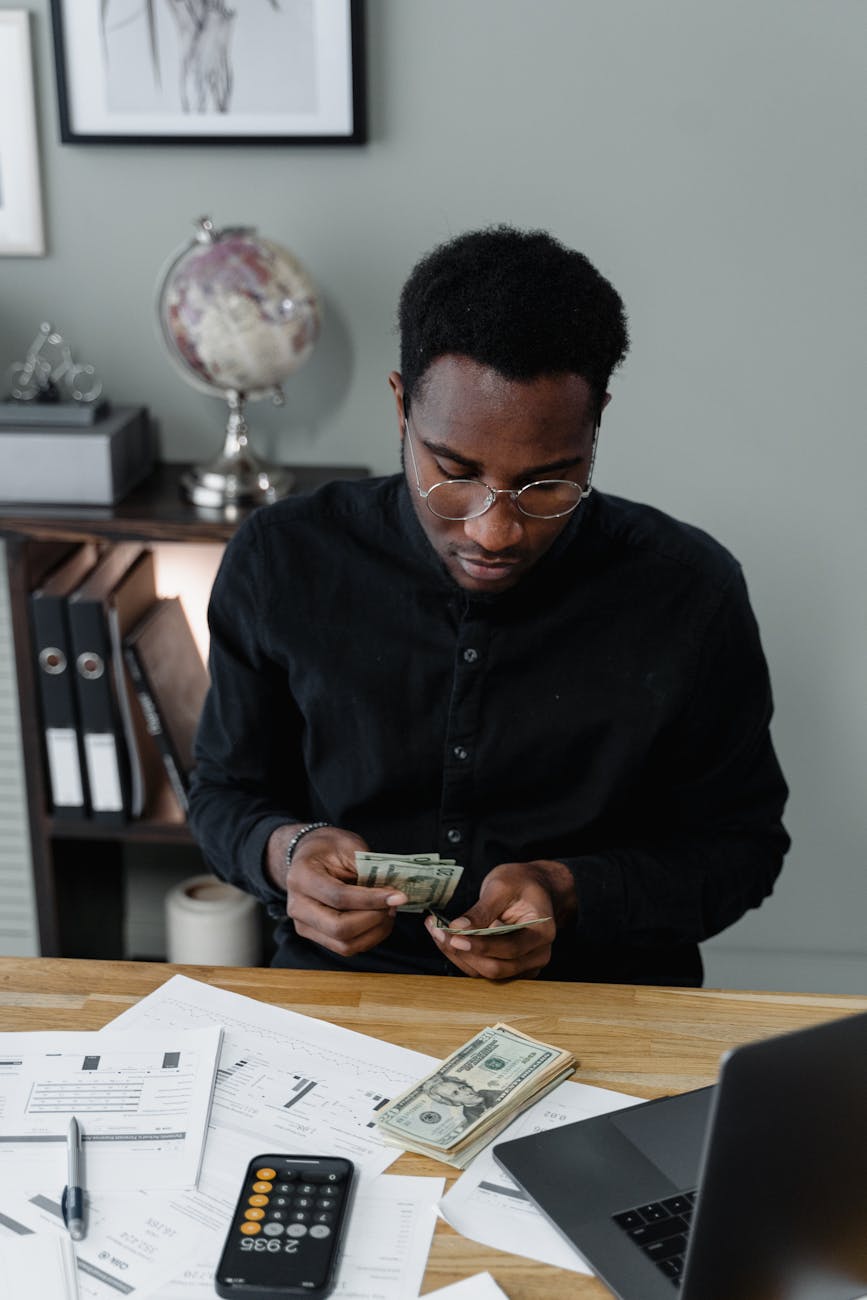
[{"x": 142, "y": 1101}]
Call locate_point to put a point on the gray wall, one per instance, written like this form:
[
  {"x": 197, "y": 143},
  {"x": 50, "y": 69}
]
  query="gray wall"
[{"x": 709, "y": 159}]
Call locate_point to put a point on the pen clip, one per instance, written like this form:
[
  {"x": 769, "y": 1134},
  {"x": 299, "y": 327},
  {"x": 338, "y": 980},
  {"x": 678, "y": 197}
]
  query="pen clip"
[{"x": 64, "y": 1206}]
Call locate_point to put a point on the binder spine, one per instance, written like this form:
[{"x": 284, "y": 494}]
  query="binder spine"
[
  {"x": 155, "y": 728},
  {"x": 104, "y": 749},
  {"x": 67, "y": 787}
]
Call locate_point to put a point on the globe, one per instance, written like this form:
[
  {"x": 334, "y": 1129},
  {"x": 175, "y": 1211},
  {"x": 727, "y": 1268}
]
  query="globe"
[{"x": 238, "y": 314}]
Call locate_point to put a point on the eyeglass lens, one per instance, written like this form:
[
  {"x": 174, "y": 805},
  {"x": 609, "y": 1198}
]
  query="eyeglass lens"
[{"x": 465, "y": 498}]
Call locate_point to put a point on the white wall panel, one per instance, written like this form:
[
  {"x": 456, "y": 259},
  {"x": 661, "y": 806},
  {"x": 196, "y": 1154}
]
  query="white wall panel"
[{"x": 18, "y": 928}]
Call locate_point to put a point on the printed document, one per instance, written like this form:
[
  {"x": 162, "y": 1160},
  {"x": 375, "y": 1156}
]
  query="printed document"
[
  {"x": 316, "y": 1045},
  {"x": 38, "y": 1266},
  {"x": 142, "y": 1100}
]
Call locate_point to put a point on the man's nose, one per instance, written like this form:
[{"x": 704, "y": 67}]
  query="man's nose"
[{"x": 498, "y": 528}]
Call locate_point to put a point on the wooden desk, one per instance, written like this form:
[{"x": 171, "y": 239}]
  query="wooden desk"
[{"x": 643, "y": 1041}]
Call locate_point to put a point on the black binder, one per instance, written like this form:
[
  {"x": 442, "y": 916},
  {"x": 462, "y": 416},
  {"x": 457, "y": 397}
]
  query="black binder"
[
  {"x": 109, "y": 601},
  {"x": 61, "y": 734},
  {"x": 171, "y": 682}
]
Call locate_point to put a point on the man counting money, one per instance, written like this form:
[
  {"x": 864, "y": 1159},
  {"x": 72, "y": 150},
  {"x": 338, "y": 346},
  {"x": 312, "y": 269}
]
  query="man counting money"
[{"x": 486, "y": 658}]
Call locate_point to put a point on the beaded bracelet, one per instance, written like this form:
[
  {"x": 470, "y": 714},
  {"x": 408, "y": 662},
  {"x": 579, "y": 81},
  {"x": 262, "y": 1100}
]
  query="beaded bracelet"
[{"x": 299, "y": 835}]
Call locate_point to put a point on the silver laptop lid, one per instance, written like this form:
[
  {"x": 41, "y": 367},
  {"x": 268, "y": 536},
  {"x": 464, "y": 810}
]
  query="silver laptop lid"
[{"x": 782, "y": 1206}]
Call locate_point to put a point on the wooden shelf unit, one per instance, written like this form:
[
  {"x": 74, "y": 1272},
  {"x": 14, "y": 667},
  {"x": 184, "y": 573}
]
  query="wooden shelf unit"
[{"x": 78, "y": 865}]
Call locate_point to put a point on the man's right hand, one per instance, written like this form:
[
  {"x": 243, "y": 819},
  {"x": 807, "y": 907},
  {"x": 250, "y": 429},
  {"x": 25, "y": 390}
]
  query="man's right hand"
[{"x": 322, "y": 898}]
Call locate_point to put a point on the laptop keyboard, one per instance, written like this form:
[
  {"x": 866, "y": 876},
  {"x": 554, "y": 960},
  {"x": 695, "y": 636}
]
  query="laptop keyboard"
[{"x": 660, "y": 1229}]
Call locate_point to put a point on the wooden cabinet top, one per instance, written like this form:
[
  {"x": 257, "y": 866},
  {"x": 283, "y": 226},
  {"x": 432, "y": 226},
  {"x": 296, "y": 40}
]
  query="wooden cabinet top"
[{"x": 154, "y": 511}]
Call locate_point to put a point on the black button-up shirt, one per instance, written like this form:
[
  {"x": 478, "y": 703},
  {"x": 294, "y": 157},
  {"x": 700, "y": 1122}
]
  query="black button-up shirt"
[{"x": 610, "y": 711}]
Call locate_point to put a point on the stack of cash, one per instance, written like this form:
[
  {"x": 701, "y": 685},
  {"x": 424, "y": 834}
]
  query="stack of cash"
[
  {"x": 454, "y": 1113},
  {"x": 427, "y": 879},
  {"x": 442, "y": 923}
]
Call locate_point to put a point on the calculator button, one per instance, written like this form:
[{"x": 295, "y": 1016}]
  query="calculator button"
[
  {"x": 266, "y": 1173},
  {"x": 254, "y": 1214},
  {"x": 320, "y": 1230},
  {"x": 277, "y": 1215},
  {"x": 273, "y": 1229},
  {"x": 324, "y": 1217},
  {"x": 303, "y": 1202},
  {"x": 263, "y": 1186},
  {"x": 285, "y": 1186},
  {"x": 326, "y": 1203},
  {"x": 296, "y": 1230},
  {"x": 300, "y": 1216},
  {"x": 250, "y": 1229},
  {"x": 306, "y": 1189},
  {"x": 258, "y": 1200},
  {"x": 279, "y": 1200},
  {"x": 333, "y": 1178}
]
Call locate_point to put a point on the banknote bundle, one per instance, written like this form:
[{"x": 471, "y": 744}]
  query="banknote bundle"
[
  {"x": 427, "y": 879},
  {"x": 442, "y": 923},
  {"x": 453, "y": 1113}
]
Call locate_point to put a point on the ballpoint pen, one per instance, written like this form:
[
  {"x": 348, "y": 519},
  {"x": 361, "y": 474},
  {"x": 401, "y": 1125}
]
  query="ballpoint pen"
[{"x": 72, "y": 1201}]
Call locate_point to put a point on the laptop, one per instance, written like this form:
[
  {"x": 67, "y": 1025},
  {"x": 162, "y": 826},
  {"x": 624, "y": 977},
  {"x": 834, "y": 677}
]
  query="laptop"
[{"x": 753, "y": 1189}]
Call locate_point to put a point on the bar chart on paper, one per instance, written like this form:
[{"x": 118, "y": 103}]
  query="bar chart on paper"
[
  {"x": 112, "y": 1083},
  {"x": 143, "y": 1102}
]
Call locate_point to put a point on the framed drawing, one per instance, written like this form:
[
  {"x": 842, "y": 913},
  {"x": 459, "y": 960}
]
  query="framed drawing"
[
  {"x": 20, "y": 198},
  {"x": 205, "y": 72}
]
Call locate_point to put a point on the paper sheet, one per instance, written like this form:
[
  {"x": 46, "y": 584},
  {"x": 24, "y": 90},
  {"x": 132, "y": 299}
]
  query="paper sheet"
[
  {"x": 134, "y": 1242},
  {"x": 487, "y": 1206},
  {"x": 38, "y": 1266},
  {"x": 389, "y": 1237},
  {"x": 142, "y": 1100},
  {"x": 316, "y": 1044},
  {"x": 479, "y": 1287}
]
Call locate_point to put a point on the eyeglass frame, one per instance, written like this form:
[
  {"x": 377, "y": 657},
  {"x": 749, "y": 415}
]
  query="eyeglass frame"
[{"x": 493, "y": 493}]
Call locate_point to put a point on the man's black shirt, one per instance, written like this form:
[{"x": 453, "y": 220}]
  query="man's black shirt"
[{"x": 610, "y": 711}]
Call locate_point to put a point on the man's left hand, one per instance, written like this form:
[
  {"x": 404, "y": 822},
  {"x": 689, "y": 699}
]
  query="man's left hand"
[{"x": 510, "y": 893}]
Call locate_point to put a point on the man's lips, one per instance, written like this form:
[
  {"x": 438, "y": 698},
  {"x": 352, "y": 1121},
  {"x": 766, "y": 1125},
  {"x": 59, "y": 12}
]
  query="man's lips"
[{"x": 488, "y": 568}]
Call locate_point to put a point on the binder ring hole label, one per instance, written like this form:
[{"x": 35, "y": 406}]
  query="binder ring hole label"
[
  {"x": 90, "y": 665},
  {"x": 52, "y": 660}
]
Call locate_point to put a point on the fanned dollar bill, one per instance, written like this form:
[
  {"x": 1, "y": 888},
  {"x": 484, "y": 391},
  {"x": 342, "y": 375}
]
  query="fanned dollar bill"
[
  {"x": 454, "y": 1113},
  {"x": 427, "y": 879},
  {"x": 443, "y": 923}
]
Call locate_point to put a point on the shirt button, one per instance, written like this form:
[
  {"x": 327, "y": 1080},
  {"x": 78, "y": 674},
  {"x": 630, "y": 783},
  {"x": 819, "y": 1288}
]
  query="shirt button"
[
  {"x": 460, "y": 752},
  {"x": 454, "y": 836},
  {"x": 470, "y": 655}
]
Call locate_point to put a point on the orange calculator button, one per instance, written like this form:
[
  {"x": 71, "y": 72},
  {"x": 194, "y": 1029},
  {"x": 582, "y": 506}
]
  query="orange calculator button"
[
  {"x": 263, "y": 1187},
  {"x": 258, "y": 1200},
  {"x": 266, "y": 1173},
  {"x": 250, "y": 1229},
  {"x": 254, "y": 1214}
]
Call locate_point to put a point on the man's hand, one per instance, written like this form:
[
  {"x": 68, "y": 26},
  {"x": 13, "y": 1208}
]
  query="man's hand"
[
  {"x": 512, "y": 892},
  {"x": 322, "y": 898}
]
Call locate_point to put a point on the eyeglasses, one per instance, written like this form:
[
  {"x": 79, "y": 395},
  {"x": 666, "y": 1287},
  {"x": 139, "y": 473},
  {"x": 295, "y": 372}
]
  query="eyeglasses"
[{"x": 467, "y": 498}]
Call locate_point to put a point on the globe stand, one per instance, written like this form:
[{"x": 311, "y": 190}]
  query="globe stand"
[{"x": 236, "y": 477}]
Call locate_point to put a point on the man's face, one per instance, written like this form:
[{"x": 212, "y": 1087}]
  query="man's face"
[{"x": 468, "y": 421}]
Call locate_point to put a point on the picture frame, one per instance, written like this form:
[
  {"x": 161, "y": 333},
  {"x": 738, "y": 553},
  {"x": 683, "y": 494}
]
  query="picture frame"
[
  {"x": 21, "y": 230},
  {"x": 256, "y": 72}
]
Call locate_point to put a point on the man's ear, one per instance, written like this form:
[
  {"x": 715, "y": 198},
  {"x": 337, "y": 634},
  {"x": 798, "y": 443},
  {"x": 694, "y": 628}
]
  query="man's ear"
[{"x": 395, "y": 381}]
